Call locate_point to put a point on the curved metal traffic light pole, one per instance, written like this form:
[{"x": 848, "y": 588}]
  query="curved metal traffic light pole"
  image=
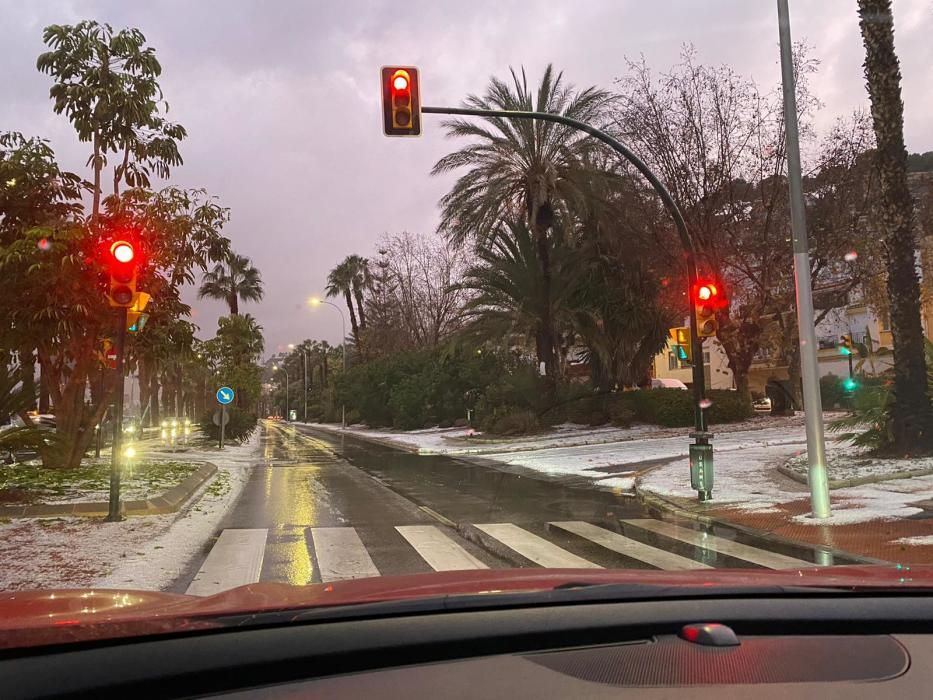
[{"x": 699, "y": 379}]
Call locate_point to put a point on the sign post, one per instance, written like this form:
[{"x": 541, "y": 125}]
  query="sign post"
[{"x": 224, "y": 397}]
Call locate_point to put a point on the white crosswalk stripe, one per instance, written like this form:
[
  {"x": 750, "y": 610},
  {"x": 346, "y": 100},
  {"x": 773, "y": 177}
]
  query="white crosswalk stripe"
[
  {"x": 437, "y": 549},
  {"x": 340, "y": 554},
  {"x": 769, "y": 560},
  {"x": 535, "y": 548},
  {"x": 237, "y": 557},
  {"x": 629, "y": 547},
  {"x": 234, "y": 560}
]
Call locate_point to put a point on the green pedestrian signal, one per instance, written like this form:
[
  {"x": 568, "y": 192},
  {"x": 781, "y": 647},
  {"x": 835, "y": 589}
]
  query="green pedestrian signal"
[{"x": 850, "y": 384}]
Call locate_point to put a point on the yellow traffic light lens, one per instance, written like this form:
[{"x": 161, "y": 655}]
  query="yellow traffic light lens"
[{"x": 122, "y": 251}]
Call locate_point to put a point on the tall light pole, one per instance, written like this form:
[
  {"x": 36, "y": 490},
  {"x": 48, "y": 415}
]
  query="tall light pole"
[
  {"x": 315, "y": 301},
  {"x": 809, "y": 364},
  {"x": 304, "y": 375},
  {"x": 276, "y": 367}
]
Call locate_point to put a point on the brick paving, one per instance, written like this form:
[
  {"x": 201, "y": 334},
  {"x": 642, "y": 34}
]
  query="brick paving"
[{"x": 875, "y": 539}]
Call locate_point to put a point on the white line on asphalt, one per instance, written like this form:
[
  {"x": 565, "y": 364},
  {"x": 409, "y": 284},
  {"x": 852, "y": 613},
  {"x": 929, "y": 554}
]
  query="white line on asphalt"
[
  {"x": 629, "y": 547},
  {"x": 234, "y": 560},
  {"x": 535, "y": 548},
  {"x": 340, "y": 554},
  {"x": 770, "y": 560},
  {"x": 437, "y": 549}
]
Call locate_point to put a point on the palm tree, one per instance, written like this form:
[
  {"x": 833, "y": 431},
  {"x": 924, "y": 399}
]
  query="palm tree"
[
  {"x": 911, "y": 411},
  {"x": 361, "y": 279},
  {"x": 536, "y": 170},
  {"x": 232, "y": 280},
  {"x": 340, "y": 281},
  {"x": 510, "y": 296}
]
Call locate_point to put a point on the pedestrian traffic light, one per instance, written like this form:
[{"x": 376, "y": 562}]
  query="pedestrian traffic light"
[
  {"x": 680, "y": 344},
  {"x": 706, "y": 301},
  {"x": 847, "y": 346},
  {"x": 401, "y": 101},
  {"x": 122, "y": 266}
]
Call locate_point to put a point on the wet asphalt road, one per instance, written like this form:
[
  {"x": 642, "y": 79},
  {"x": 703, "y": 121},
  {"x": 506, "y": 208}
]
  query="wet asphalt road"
[{"x": 308, "y": 483}]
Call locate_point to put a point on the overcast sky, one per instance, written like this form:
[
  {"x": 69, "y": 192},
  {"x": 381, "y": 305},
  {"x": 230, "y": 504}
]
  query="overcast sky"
[{"x": 282, "y": 105}]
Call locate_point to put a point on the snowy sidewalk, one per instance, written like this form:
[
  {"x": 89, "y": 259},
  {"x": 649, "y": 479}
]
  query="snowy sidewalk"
[
  {"x": 607, "y": 457},
  {"x": 145, "y": 553},
  {"x": 886, "y": 520}
]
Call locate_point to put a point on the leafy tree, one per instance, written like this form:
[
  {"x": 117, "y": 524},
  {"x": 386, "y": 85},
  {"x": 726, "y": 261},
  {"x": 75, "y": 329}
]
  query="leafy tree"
[
  {"x": 106, "y": 84},
  {"x": 512, "y": 297},
  {"x": 912, "y": 414},
  {"x": 540, "y": 171},
  {"x": 232, "y": 280},
  {"x": 341, "y": 280}
]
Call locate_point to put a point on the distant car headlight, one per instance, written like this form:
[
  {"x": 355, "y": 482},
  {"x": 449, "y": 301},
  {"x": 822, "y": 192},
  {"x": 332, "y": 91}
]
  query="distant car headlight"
[
  {"x": 164, "y": 434},
  {"x": 130, "y": 452},
  {"x": 187, "y": 430},
  {"x": 174, "y": 423},
  {"x": 165, "y": 424}
]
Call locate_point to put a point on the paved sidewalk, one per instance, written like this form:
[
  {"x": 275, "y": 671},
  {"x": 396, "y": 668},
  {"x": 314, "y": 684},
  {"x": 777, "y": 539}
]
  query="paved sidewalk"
[{"x": 902, "y": 540}]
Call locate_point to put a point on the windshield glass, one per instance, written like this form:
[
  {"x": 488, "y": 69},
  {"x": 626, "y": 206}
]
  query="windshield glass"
[{"x": 473, "y": 294}]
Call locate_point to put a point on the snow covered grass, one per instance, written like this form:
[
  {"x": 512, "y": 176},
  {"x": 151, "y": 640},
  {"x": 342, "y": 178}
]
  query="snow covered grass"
[
  {"x": 143, "y": 552},
  {"x": 748, "y": 479},
  {"x": 917, "y": 540},
  {"x": 848, "y": 463},
  {"x": 31, "y": 483},
  {"x": 466, "y": 441}
]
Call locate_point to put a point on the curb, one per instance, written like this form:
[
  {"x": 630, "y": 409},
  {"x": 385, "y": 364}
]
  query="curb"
[
  {"x": 367, "y": 438},
  {"x": 662, "y": 505},
  {"x": 168, "y": 502},
  {"x": 860, "y": 481}
]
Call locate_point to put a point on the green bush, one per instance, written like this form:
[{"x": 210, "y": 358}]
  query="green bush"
[
  {"x": 672, "y": 408},
  {"x": 521, "y": 422},
  {"x": 620, "y": 415},
  {"x": 239, "y": 428},
  {"x": 728, "y": 407},
  {"x": 832, "y": 393}
]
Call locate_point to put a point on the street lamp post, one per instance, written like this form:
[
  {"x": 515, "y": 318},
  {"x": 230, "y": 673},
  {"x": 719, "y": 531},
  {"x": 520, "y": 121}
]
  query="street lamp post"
[
  {"x": 314, "y": 301},
  {"x": 276, "y": 367}
]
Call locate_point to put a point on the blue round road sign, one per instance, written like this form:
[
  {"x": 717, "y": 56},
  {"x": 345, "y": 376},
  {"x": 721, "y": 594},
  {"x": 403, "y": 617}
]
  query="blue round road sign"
[{"x": 224, "y": 395}]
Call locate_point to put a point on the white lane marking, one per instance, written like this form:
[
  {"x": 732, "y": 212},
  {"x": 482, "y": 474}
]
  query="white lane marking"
[
  {"x": 535, "y": 548},
  {"x": 629, "y": 547},
  {"x": 770, "y": 560},
  {"x": 234, "y": 560},
  {"x": 437, "y": 549},
  {"x": 340, "y": 554}
]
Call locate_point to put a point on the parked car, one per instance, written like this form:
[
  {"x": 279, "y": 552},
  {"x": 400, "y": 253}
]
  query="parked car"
[
  {"x": 762, "y": 405},
  {"x": 667, "y": 383}
]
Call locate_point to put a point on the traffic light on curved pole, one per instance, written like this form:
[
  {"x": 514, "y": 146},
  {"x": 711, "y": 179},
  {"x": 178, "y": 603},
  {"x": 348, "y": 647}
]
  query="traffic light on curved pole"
[
  {"x": 401, "y": 101},
  {"x": 123, "y": 264},
  {"x": 707, "y": 300}
]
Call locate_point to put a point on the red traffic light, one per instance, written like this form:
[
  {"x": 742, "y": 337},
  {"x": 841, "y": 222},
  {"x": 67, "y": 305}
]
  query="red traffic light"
[
  {"x": 400, "y": 80},
  {"x": 122, "y": 252},
  {"x": 706, "y": 292},
  {"x": 401, "y": 101},
  {"x": 706, "y": 301}
]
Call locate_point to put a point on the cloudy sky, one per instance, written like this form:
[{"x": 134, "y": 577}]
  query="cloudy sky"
[{"x": 281, "y": 101}]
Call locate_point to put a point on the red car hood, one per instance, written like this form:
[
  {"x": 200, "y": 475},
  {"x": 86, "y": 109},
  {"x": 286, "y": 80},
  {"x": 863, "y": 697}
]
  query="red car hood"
[{"x": 33, "y": 618}]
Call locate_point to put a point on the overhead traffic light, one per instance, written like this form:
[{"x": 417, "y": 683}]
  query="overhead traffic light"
[
  {"x": 707, "y": 299},
  {"x": 680, "y": 344},
  {"x": 122, "y": 266},
  {"x": 401, "y": 101}
]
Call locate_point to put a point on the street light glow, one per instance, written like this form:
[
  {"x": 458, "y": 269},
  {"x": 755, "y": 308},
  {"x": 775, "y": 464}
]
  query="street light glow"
[{"x": 314, "y": 301}]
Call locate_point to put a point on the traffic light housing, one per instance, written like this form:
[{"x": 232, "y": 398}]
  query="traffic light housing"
[
  {"x": 122, "y": 264},
  {"x": 707, "y": 299},
  {"x": 401, "y": 101},
  {"x": 680, "y": 344},
  {"x": 847, "y": 347}
]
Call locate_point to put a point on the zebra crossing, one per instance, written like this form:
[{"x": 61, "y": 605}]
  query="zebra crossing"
[{"x": 341, "y": 553}]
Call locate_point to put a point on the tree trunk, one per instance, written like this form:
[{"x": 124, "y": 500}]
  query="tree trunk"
[
  {"x": 144, "y": 390},
  {"x": 27, "y": 373},
  {"x": 120, "y": 170},
  {"x": 98, "y": 165},
  {"x": 912, "y": 416},
  {"x": 233, "y": 302},
  {"x": 45, "y": 402},
  {"x": 353, "y": 324},
  {"x": 154, "y": 398},
  {"x": 358, "y": 294},
  {"x": 545, "y": 337}
]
